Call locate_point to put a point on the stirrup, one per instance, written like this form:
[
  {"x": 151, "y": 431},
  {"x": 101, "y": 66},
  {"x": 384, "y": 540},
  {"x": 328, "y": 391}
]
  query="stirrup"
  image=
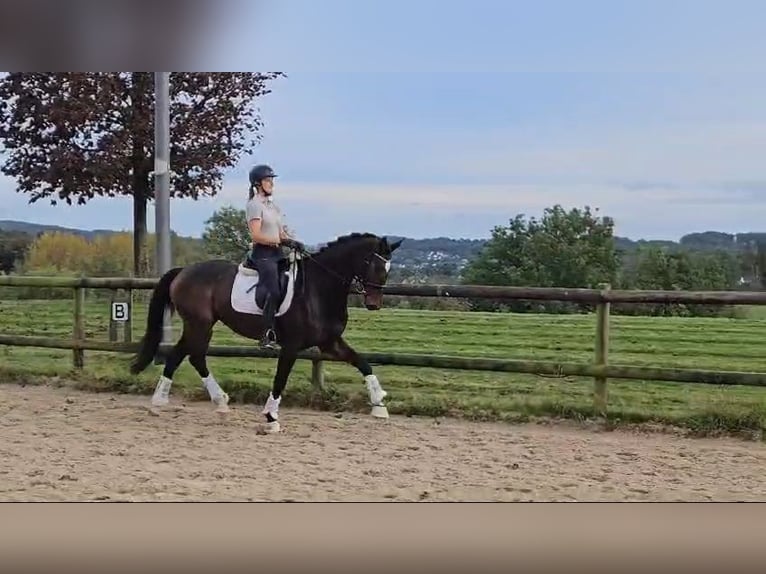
[{"x": 269, "y": 340}]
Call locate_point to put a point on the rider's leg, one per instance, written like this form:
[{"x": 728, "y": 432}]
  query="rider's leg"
[{"x": 268, "y": 275}]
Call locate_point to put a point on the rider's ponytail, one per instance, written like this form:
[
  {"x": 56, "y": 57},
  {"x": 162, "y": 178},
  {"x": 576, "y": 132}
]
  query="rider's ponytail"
[{"x": 252, "y": 192}]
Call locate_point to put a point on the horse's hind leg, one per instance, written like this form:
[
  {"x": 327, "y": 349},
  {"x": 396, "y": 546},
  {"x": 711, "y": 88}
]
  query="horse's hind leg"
[
  {"x": 176, "y": 356},
  {"x": 197, "y": 357}
]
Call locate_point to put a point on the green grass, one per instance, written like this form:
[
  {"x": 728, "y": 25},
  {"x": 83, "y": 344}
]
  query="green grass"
[
  {"x": 752, "y": 311},
  {"x": 709, "y": 343}
]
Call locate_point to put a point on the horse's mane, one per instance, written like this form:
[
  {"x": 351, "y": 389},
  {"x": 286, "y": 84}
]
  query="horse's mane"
[{"x": 343, "y": 239}]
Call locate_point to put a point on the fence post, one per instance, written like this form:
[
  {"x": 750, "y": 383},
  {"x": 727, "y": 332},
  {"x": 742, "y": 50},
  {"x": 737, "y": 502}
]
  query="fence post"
[
  {"x": 129, "y": 323},
  {"x": 112, "y": 322},
  {"x": 602, "y": 351},
  {"x": 317, "y": 373},
  {"x": 78, "y": 331}
]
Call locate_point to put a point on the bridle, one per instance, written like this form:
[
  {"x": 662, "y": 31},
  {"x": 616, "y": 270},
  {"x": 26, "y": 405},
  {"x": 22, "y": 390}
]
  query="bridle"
[
  {"x": 357, "y": 284},
  {"x": 360, "y": 284}
]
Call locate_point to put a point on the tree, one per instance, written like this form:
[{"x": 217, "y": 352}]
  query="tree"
[
  {"x": 62, "y": 252},
  {"x": 13, "y": 248},
  {"x": 752, "y": 258},
  {"x": 110, "y": 255},
  {"x": 104, "y": 255},
  {"x": 226, "y": 234},
  {"x": 563, "y": 249},
  {"x": 74, "y": 136},
  {"x": 685, "y": 269}
]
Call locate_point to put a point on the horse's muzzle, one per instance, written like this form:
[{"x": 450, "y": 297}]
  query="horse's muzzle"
[{"x": 373, "y": 301}]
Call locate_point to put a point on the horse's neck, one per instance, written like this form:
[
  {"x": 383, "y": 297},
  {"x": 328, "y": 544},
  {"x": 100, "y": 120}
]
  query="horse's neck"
[
  {"x": 330, "y": 273},
  {"x": 336, "y": 265}
]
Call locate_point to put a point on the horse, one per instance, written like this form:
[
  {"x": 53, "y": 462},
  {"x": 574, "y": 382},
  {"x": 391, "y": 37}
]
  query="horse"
[{"x": 312, "y": 312}]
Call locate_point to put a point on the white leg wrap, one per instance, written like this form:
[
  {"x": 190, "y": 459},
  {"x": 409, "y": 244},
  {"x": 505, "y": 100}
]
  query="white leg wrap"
[
  {"x": 377, "y": 394},
  {"x": 161, "y": 395},
  {"x": 212, "y": 386},
  {"x": 272, "y": 407},
  {"x": 217, "y": 394}
]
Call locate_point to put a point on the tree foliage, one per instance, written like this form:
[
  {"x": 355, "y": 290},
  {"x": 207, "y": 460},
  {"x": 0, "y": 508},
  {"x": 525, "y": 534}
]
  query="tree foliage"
[
  {"x": 753, "y": 263},
  {"x": 657, "y": 268},
  {"x": 577, "y": 249},
  {"x": 226, "y": 234},
  {"x": 74, "y": 136},
  {"x": 62, "y": 252},
  {"x": 107, "y": 255},
  {"x": 13, "y": 249},
  {"x": 562, "y": 249}
]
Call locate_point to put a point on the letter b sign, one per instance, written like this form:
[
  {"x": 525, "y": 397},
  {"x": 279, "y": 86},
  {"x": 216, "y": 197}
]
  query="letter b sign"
[{"x": 120, "y": 311}]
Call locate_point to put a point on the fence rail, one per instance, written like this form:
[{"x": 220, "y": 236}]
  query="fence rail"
[
  {"x": 604, "y": 295},
  {"x": 553, "y": 368},
  {"x": 600, "y": 370}
]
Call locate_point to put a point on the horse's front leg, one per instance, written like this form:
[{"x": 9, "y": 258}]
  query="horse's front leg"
[
  {"x": 343, "y": 351},
  {"x": 287, "y": 358}
]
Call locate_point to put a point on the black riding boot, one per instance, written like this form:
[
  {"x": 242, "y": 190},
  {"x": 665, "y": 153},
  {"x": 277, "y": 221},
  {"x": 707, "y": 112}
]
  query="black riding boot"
[{"x": 269, "y": 338}]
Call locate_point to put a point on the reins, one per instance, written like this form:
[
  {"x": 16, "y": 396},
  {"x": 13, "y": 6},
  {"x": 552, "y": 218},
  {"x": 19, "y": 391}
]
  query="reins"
[{"x": 359, "y": 285}]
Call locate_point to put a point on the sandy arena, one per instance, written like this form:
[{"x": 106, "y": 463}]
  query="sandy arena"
[{"x": 61, "y": 444}]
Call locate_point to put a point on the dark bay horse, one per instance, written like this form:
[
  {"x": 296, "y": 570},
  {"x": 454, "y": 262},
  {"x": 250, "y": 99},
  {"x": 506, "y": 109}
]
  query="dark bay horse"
[{"x": 317, "y": 287}]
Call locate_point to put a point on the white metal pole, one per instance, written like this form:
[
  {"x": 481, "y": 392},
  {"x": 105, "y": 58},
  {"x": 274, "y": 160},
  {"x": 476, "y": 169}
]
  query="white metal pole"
[{"x": 162, "y": 179}]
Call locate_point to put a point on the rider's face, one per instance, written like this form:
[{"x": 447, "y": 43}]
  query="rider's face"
[{"x": 267, "y": 184}]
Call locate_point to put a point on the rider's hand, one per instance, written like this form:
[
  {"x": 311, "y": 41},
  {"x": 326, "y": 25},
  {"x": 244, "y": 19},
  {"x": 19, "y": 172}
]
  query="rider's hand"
[{"x": 294, "y": 244}]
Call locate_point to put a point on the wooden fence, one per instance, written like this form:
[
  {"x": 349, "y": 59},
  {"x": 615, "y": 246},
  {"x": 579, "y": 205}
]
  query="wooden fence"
[{"x": 600, "y": 369}]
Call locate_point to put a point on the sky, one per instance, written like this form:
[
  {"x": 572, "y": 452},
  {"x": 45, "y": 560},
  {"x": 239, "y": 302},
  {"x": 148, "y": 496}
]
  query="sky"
[{"x": 431, "y": 119}]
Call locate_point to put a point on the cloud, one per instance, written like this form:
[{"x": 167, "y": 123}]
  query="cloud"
[
  {"x": 453, "y": 173},
  {"x": 583, "y": 36},
  {"x": 320, "y": 210},
  {"x": 655, "y": 211},
  {"x": 466, "y": 197},
  {"x": 671, "y": 132},
  {"x": 678, "y": 154}
]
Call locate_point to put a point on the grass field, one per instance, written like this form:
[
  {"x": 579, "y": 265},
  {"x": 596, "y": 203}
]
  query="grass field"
[{"x": 724, "y": 344}]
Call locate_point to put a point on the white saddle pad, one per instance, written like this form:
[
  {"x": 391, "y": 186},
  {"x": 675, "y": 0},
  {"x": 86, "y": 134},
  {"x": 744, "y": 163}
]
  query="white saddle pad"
[{"x": 243, "y": 297}]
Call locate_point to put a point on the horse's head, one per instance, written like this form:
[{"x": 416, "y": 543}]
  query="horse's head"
[
  {"x": 363, "y": 260},
  {"x": 371, "y": 271}
]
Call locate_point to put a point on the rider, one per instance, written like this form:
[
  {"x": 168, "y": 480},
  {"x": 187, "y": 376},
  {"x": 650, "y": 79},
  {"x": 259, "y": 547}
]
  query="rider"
[{"x": 268, "y": 232}]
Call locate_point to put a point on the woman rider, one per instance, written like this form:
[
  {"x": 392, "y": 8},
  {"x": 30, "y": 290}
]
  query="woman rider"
[{"x": 268, "y": 232}]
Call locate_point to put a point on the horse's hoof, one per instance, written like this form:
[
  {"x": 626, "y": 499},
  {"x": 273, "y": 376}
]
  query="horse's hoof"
[
  {"x": 379, "y": 412},
  {"x": 159, "y": 402},
  {"x": 222, "y": 404},
  {"x": 272, "y": 427}
]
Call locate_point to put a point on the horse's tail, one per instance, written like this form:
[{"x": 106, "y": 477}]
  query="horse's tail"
[{"x": 153, "y": 336}]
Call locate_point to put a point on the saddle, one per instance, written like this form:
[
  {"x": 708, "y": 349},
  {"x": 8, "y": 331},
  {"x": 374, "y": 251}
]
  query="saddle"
[{"x": 284, "y": 263}]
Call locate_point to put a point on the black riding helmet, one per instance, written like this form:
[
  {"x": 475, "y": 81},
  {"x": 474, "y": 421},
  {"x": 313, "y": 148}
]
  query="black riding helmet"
[{"x": 259, "y": 172}]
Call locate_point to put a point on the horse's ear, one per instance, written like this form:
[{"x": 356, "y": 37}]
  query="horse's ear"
[{"x": 395, "y": 245}]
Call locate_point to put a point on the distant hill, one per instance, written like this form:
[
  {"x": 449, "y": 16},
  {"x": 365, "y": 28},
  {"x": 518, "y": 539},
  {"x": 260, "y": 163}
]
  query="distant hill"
[
  {"x": 444, "y": 256},
  {"x": 433, "y": 257},
  {"x": 37, "y": 228}
]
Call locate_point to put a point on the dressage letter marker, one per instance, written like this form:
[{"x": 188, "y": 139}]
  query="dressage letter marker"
[{"x": 120, "y": 311}]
